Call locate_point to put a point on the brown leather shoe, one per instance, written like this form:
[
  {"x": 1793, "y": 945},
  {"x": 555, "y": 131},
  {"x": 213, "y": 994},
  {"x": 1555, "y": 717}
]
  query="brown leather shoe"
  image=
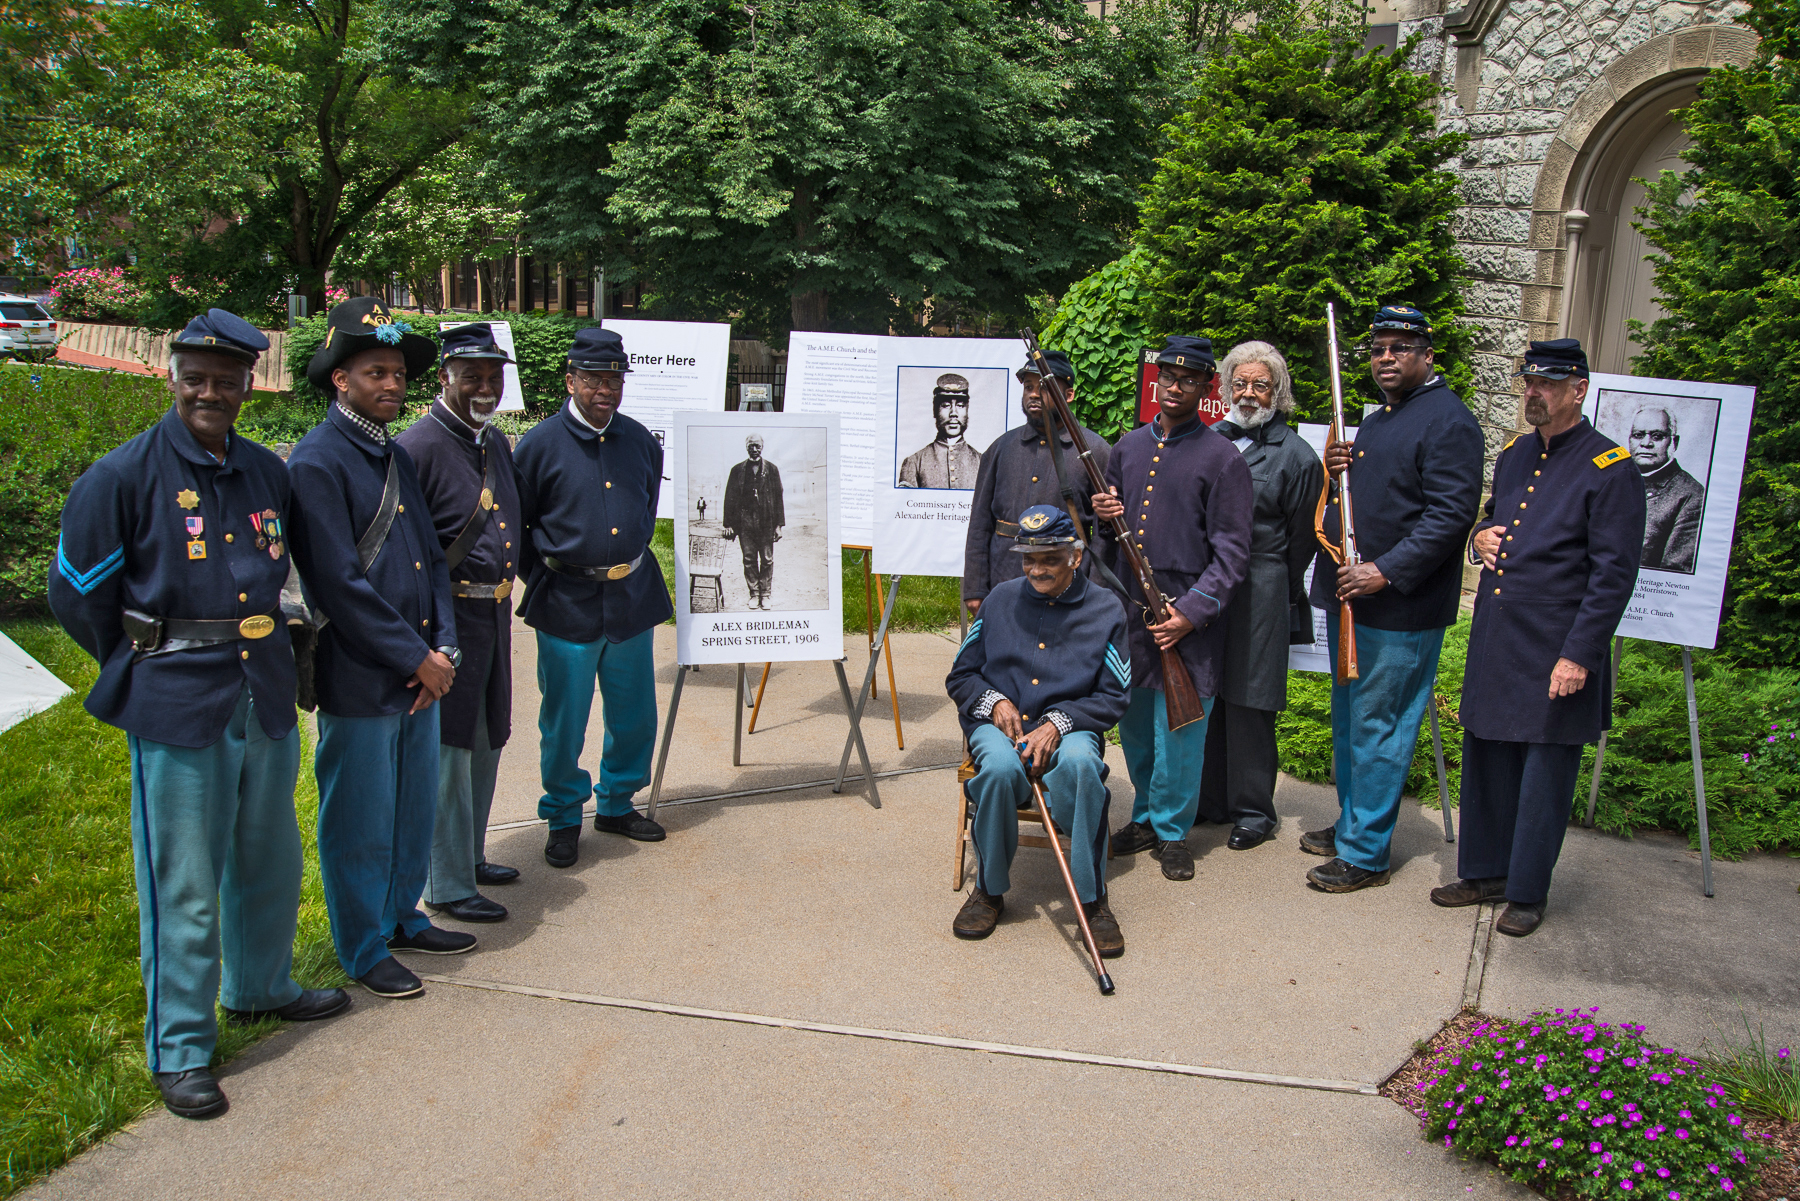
[
  {"x": 1469, "y": 892},
  {"x": 1176, "y": 859},
  {"x": 978, "y": 915},
  {"x": 1520, "y": 920},
  {"x": 1105, "y": 929},
  {"x": 1320, "y": 842}
]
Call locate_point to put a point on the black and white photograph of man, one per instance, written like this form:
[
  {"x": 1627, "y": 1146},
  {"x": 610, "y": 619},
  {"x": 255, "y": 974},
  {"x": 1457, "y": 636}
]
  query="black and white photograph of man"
[
  {"x": 1671, "y": 440},
  {"x": 753, "y": 516},
  {"x": 966, "y": 407},
  {"x": 766, "y": 492}
]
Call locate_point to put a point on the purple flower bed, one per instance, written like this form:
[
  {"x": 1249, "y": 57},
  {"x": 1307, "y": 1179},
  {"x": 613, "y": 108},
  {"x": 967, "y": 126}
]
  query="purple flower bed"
[{"x": 1563, "y": 1100}]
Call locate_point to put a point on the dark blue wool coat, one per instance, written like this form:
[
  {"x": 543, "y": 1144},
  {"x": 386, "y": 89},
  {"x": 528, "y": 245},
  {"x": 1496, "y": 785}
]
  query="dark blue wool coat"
[
  {"x": 590, "y": 500},
  {"x": 1573, "y": 516},
  {"x": 382, "y": 625},
  {"x": 1415, "y": 484},
  {"x": 1188, "y": 501},
  {"x": 1066, "y": 653},
  {"x": 126, "y": 544},
  {"x": 450, "y": 466}
]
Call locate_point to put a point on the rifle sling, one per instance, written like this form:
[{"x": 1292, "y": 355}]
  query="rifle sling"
[
  {"x": 375, "y": 537},
  {"x": 459, "y": 550}
]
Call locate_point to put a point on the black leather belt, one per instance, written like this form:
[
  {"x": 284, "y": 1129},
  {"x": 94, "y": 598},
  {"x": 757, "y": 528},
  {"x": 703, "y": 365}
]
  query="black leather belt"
[
  {"x": 149, "y": 633},
  {"x": 493, "y": 592},
  {"x": 617, "y": 571},
  {"x": 1006, "y": 529}
]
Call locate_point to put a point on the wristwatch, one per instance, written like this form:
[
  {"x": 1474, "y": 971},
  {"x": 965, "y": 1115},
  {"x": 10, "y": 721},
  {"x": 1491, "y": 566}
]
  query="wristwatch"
[{"x": 452, "y": 653}]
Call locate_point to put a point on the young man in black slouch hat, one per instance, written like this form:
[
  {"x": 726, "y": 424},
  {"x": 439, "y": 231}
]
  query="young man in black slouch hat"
[
  {"x": 589, "y": 478},
  {"x": 372, "y": 566},
  {"x": 1559, "y": 543},
  {"x": 1017, "y": 472},
  {"x": 466, "y": 472},
  {"x": 169, "y": 571}
]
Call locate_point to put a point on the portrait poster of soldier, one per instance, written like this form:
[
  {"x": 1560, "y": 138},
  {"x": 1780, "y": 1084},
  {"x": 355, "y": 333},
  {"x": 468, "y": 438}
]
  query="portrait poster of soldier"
[
  {"x": 945, "y": 418},
  {"x": 1688, "y": 440},
  {"x": 757, "y": 555},
  {"x": 1671, "y": 440}
]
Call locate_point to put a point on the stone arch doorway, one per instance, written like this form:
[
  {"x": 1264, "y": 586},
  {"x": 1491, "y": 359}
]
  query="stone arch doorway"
[{"x": 1609, "y": 281}]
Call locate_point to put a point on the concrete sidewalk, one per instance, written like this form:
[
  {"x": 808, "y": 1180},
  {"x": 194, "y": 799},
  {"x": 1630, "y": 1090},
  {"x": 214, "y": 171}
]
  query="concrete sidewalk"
[{"x": 523, "y": 1072}]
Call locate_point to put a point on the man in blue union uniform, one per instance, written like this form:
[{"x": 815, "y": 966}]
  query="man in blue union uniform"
[
  {"x": 169, "y": 572},
  {"x": 1187, "y": 498},
  {"x": 1415, "y": 473},
  {"x": 589, "y": 478},
  {"x": 1559, "y": 543},
  {"x": 1040, "y": 678},
  {"x": 466, "y": 472},
  {"x": 369, "y": 557}
]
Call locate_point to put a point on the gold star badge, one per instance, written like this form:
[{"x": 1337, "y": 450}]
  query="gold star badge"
[{"x": 187, "y": 498}]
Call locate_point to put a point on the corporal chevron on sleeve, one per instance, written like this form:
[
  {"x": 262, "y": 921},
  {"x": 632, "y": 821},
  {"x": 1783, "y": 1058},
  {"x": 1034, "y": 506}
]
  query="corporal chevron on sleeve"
[{"x": 85, "y": 582}]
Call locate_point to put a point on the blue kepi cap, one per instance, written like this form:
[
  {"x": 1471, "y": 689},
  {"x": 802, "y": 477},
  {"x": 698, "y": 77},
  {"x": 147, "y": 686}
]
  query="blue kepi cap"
[
  {"x": 222, "y": 333},
  {"x": 473, "y": 341},
  {"x": 1044, "y": 527},
  {"x": 598, "y": 350},
  {"x": 1558, "y": 358}
]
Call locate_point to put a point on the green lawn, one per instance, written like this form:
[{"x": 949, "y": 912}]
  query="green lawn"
[{"x": 71, "y": 1001}]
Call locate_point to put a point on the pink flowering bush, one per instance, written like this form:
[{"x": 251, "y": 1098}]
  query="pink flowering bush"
[
  {"x": 1561, "y": 1099},
  {"x": 95, "y": 294}
]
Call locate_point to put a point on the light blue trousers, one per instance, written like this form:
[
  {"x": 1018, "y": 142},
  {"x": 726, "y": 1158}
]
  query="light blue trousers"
[
  {"x": 377, "y": 799},
  {"x": 218, "y": 877},
  {"x": 567, "y": 671},
  {"x": 465, "y": 798},
  {"x": 1165, "y": 765},
  {"x": 1374, "y": 728},
  {"x": 1075, "y": 787}
]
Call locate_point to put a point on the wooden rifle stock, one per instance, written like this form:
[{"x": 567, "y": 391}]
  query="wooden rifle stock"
[
  {"x": 1346, "y": 554},
  {"x": 1180, "y": 697}
]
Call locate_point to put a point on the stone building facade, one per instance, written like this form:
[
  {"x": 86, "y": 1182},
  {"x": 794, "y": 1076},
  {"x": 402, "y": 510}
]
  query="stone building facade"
[{"x": 1565, "y": 102}]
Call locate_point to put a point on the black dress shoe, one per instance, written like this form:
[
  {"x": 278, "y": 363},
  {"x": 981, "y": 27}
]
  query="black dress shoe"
[
  {"x": 1133, "y": 837},
  {"x": 1469, "y": 892},
  {"x": 1243, "y": 838},
  {"x": 311, "y": 1005},
  {"x": 1520, "y": 920},
  {"x": 1176, "y": 859},
  {"x": 1338, "y": 876},
  {"x": 432, "y": 941},
  {"x": 191, "y": 1094},
  {"x": 494, "y": 873},
  {"x": 471, "y": 909},
  {"x": 389, "y": 979},
  {"x": 1108, "y": 939},
  {"x": 1320, "y": 842},
  {"x": 563, "y": 850},
  {"x": 633, "y": 825},
  {"x": 978, "y": 915}
]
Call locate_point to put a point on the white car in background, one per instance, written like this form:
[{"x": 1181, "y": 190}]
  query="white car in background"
[{"x": 25, "y": 328}]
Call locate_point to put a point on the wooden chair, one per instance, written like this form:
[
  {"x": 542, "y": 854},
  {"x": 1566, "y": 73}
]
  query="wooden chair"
[
  {"x": 706, "y": 568},
  {"x": 966, "y": 814}
]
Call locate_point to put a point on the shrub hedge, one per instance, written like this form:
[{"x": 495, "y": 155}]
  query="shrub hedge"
[{"x": 1647, "y": 781}]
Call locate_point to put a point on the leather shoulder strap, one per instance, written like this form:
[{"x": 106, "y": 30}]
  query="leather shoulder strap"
[
  {"x": 459, "y": 550},
  {"x": 369, "y": 545}
]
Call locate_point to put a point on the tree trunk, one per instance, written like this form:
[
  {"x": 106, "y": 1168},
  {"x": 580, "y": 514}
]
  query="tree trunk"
[{"x": 807, "y": 310}]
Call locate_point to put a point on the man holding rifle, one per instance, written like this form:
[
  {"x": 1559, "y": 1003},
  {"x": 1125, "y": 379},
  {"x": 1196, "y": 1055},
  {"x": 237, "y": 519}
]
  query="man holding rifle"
[
  {"x": 1559, "y": 546},
  {"x": 1039, "y": 680},
  {"x": 1186, "y": 499},
  {"x": 1416, "y": 464}
]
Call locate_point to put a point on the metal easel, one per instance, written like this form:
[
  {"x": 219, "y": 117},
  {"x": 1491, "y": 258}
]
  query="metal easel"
[{"x": 862, "y": 696}]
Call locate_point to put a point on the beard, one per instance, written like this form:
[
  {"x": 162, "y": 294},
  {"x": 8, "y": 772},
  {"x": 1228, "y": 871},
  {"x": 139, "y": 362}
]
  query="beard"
[
  {"x": 480, "y": 418},
  {"x": 1536, "y": 412},
  {"x": 1249, "y": 416}
]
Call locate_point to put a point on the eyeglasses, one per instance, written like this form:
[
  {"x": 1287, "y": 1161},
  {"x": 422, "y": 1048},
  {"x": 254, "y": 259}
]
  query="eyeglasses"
[
  {"x": 1261, "y": 387},
  {"x": 1396, "y": 352},
  {"x": 1190, "y": 383}
]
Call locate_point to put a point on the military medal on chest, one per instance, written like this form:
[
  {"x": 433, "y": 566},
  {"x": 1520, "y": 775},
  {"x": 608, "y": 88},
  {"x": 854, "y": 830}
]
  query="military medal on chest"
[{"x": 187, "y": 498}]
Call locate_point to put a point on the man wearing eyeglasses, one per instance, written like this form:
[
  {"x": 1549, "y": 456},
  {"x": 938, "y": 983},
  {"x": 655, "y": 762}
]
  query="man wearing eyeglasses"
[
  {"x": 1415, "y": 469},
  {"x": 588, "y": 485},
  {"x": 1186, "y": 497}
]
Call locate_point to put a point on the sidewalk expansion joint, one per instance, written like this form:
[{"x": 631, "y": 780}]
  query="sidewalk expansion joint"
[
  {"x": 726, "y": 796},
  {"x": 908, "y": 1036},
  {"x": 1478, "y": 955}
]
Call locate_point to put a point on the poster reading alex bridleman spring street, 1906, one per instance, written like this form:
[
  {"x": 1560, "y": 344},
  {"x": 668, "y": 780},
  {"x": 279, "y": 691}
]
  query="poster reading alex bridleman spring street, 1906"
[{"x": 756, "y": 537}]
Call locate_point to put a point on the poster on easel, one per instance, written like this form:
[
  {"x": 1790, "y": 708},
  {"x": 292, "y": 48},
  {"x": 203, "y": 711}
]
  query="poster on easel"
[
  {"x": 757, "y": 538},
  {"x": 1689, "y": 441},
  {"x": 946, "y": 401},
  {"x": 676, "y": 367},
  {"x": 839, "y": 374}
]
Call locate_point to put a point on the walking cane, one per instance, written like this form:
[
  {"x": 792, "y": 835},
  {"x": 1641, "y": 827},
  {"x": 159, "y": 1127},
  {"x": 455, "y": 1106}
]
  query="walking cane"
[{"x": 1062, "y": 861}]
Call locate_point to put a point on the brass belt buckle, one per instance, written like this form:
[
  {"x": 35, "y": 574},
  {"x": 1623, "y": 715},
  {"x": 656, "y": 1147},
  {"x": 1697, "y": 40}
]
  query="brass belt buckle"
[
  {"x": 503, "y": 591},
  {"x": 618, "y": 571},
  {"x": 260, "y": 626}
]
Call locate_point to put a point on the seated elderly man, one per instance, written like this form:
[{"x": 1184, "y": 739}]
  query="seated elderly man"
[{"x": 1037, "y": 683}]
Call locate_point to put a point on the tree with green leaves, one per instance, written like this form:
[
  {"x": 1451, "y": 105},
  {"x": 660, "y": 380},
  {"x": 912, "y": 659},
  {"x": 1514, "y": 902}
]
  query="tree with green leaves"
[
  {"x": 1729, "y": 274},
  {"x": 1306, "y": 170},
  {"x": 815, "y": 164}
]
